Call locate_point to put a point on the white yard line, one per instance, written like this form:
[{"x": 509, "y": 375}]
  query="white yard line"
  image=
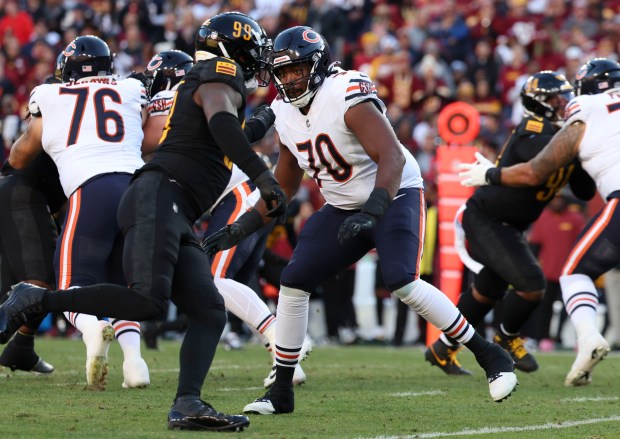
[
  {"x": 425, "y": 393},
  {"x": 468, "y": 432}
]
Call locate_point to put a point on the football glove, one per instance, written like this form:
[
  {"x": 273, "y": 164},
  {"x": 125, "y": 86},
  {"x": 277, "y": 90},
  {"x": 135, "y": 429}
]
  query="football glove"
[
  {"x": 370, "y": 214},
  {"x": 476, "y": 174},
  {"x": 231, "y": 235},
  {"x": 144, "y": 79},
  {"x": 272, "y": 193},
  {"x": 265, "y": 115}
]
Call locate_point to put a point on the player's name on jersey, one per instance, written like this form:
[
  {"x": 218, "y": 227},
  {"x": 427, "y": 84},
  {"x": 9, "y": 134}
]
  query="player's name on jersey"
[{"x": 101, "y": 80}]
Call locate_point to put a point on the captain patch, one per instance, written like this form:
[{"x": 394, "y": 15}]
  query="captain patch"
[{"x": 226, "y": 68}]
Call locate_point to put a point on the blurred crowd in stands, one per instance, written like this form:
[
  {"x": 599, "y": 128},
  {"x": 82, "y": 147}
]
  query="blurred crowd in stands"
[{"x": 421, "y": 54}]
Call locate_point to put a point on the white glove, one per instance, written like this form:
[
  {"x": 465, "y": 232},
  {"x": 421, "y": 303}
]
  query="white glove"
[{"x": 474, "y": 174}]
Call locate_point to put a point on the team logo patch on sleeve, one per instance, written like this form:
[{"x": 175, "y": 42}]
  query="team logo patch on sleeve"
[
  {"x": 360, "y": 87},
  {"x": 534, "y": 125},
  {"x": 226, "y": 68}
]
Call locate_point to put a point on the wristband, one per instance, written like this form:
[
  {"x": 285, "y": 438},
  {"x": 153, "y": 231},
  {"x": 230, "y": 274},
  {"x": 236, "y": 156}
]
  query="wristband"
[
  {"x": 493, "y": 176},
  {"x": 377, "y": 203},
  {"x": 250, "y": 222}
]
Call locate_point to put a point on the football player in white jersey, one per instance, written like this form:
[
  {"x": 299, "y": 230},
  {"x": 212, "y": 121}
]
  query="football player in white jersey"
[
  {"x": 91, "y": 126},
  {"x": 591, "y": 132},
  {"x": 231, "y": 269},
  {"x": 333, "y": 126}
]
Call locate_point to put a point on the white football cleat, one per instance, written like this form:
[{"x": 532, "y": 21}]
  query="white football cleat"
[
  {"x": 591, "y": 349},
  {"x": 97, "y": 343},
  {"x": 501, "y": 385},
  {"x": 299, "y": 376},
  {"x": 135, "y": 374}
]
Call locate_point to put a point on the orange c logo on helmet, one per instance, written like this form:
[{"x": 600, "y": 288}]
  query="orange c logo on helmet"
[
  {"x": 581, "y": 73},
  {"x": 70, "y": 50},
  {"x": 311, "y": 36},
  {"x": 155, "y": 62}
]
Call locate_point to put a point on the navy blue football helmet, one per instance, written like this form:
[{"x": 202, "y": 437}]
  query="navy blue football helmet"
[
  {"x": 166, "y": 69},
  {"x": 545, "y": 93},
  {"x": 300, "y": 44},
  {"x": 87, "y": 55},
  {"x": 596, "y": 76}
]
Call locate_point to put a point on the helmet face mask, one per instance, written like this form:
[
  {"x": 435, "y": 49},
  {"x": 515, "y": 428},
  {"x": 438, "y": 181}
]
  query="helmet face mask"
[
  {"x": 236, "y": 36},
  {"x": 166, "y": 69},
  {"x": 304, "y": 52},
  {"x": 85, "y": 56},
  {"x": 545, "y": 94},
  {"x": 597, "y": 76}
]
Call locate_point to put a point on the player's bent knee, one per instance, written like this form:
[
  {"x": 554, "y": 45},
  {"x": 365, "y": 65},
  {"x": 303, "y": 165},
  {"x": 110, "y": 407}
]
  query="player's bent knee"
[{"x": 293, "y": 292}]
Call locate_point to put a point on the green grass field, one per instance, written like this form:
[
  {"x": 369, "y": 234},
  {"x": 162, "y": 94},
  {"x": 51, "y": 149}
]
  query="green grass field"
[{"x": 351, "y": 392}]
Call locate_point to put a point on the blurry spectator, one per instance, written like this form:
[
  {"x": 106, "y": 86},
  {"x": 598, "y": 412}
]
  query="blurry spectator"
[
  {"x": 204, "y": 9},
  {"x": 172, "y": 37},
  {"x": 15, "y": 22},
  {"x": 486, "y": 100},
  {"x": 491, "y": 130},
  {"x": 432, "y": 89},
  {"x": 79, "y": 17},
  {"x": 508, "y": 76},
  {"x": 133, "y": 50},
  {"x": 459, "y": 73},
  {"x": 367, "y": 52},
  {"x": 330, "y": 22},
  {"x": 451, "y": 32},
  {"x": 573, "y": 59},
  {"x": 297, "y": 11},
  {"x": 578, "y": 18},
  {"x": 139, "y": 11},
  {"x": 484, "y": 65},
  {"x": 482, "y": 22}
]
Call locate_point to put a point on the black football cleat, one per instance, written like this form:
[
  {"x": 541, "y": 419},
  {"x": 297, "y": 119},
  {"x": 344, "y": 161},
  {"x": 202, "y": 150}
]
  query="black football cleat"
[
  {"x": 192, "y": 413},
  {"x": 444, "y": 357},
  {"x": 24, "y": 299},
  {"x": 24, "y": 358},
  {"x": 278, "y": 399},
  {"x": 524, "y": 361}
]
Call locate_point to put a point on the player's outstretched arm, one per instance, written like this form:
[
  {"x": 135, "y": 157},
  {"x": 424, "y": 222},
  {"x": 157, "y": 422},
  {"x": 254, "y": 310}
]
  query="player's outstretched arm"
[{"x": 561, "y": 150}]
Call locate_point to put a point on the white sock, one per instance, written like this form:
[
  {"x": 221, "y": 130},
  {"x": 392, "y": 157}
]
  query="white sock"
[
  {"x": 291, "y": 325},
  {"x": 437, "y": 309},
  {"x": 128, "y": 335},
  {"x": 581, "y": 301}
]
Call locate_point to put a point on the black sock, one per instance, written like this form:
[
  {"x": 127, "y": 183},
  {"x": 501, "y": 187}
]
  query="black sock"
[
  {"x": 24, "y": 340},
  {"x": 284, "y": 376},
  {"x": 516, "y": 311},
  {"x": 477, "y": 344}
]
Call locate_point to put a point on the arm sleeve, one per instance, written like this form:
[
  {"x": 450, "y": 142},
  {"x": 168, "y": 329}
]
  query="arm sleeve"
[
  {"x": 581, "y": 184},
  {"x": 254, "y": 130},
  {"x": 233, "y": 142}
]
